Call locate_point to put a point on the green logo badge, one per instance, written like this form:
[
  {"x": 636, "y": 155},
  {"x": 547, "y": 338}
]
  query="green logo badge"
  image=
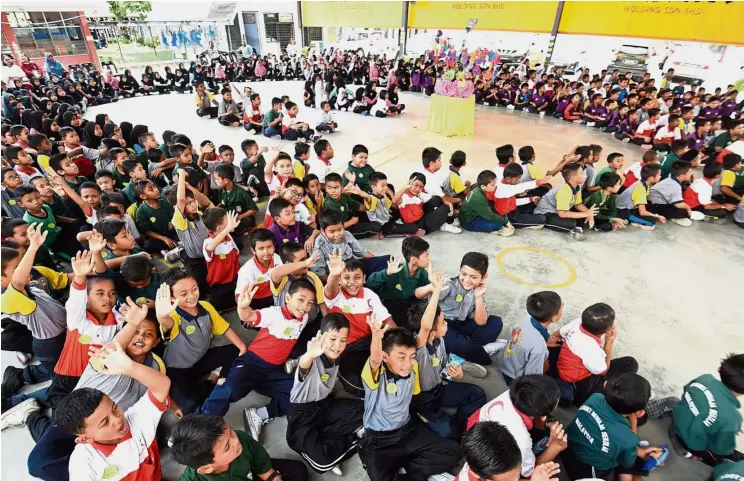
[
  {"x": 190, "y": 330},
  {"x": 391, "y": 388},
  {"x": 142, "y": 301},
  {"x": 435, "y": 362},
  {"x": 85, "y": 339},
  {"x": 110, "y": 472},
  {"x": 288, "y": 332},
  {"x": 459, "y": 298},
  {"x": 12, "y": 202},
  {"x": 346, "y": 309},
  {"x": 152, "y": 219},
  {"x": 261, "y": 279},
  {"x": 398, "y": 286},
  {"x": 52, "y": 225},
  {"x": 342, "y": 208},
  {"x": 324, "y": 377},
  {"x": 361, "y": 175}
]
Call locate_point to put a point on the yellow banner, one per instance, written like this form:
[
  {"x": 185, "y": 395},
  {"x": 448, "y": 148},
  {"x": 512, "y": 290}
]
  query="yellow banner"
[
  {"x": 352, "y": 14},
  {"x": 712, "y": 22},
  {"x": 507, "y": 16}
]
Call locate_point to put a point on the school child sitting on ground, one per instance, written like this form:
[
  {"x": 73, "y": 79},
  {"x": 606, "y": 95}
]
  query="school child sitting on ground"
[
  {"x": 393, "y": 439},
  {"x": 323, "y": 429},
  {"x": 512, "y": 200},
  {"x": 211, "y": 450},
  {"x": 10, "y": 205},
  {"x": 562, "y": 206},
  {"x": 531, "y": 349},
  {"x": 358, "y": 168},
  {"x": 285, "y": 227},
  {"x": 472, "y": 334},
  {"x": 666, "y": 198},
  {"x": 292, "y": 128},
  {"x": 431, "y": 158},
  {"x": 585, "y": 360},
  {"x": 644, "y": 134},
  {"x": 607, "y": 219},
  {"x": 491, "y": 452},
  {"x": 677, "y": 150},
  {"x": 17, "y": 230},
  {"x": 531, "y": 172},
  {"x": 667, "y": 134},
  {"x": 632, "y": 202},
  {"x": 235, "y": 198},
  {"x": 252, "y": 168},
  {"x": 262, "y": 366},
  {"x": 188, "y": 325},
  {"x": 454, "y": 187},
  {"x": 32, "y": 307},
  {"x": 433, "y": 364},
  {"x": 296, "y": 264},
  {"x": 706, "y": 421},
  {"x": 120, "y": 243},
  {"x": 58, "y": 239},
  {"x": 206, "y": 105},
  {"x": 284, "y": 172},
  {"x": 398, "y": 284},
  {"x": 699, "y": 194},
  {"x": 378, "y": 207},
  {"x": 335, "y": 237},
  {"x": 226, "y": 157},
  {"x": 252, "y": 116},
  {"x": 613, "y": 417},
  {"x": 633, "y": 173},
  {"x": 292, "y": 191},
  {"x": 327, "y": 123},
  {"x": 355, "y": 218},
  {"x": 221, "y": 255},
  {"x": 153, "y": 218},
  {"x": 724, "y": 188},
  {"x": 615, "y": 163},
  {"x": 428, "y": 212},
  {"x": 477, "y": 212},
  {"x": 257, "y": 271},
  {"x": 523, "y": 409},
  {"x": 81, "y": 414},
  {"x": 23, "y": 162}
]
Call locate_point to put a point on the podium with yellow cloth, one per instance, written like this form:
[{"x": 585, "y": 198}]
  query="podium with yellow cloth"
[{"x": 452, "y": 116}]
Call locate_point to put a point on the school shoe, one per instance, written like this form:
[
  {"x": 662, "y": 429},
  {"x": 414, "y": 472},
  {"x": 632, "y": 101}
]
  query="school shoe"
[
  {"x": 12, "y": 381},
  {"x": 475, "y": 370},
  {"x": 578, "y": 234},
  {"x": 23, "y": 357},
  {"x": 441, "y": 477},
  {"x": 456, "y": 222},
  {"x": 534, "y": 227},
  {"x": 253, "y": 423},
  {"x": 542, "y": 113},
  {"x": 17, "y": 415},
  {"x": 173, "y": 255},
  {"x": 714, "y": 220},
  {"x": 695, "y": 215},
  {"x": 510, "y": 107},
  {"x": 659, "y": 408},
  {"x": 684, "y": 222},
  {"x": 337, "y": 470},
  {"x": 676, "y": 443},
  {"x": 316, "y": 138},
  {"x": 450, "y": 228},
  {"x": 506, "y": 231},
  {"x": 591, "y": 124},
  {"x": 290, "y": 365}
]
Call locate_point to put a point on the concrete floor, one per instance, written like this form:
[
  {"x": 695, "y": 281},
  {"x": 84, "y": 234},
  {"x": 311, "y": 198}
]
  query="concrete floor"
[{"x": 674, "y": 289}]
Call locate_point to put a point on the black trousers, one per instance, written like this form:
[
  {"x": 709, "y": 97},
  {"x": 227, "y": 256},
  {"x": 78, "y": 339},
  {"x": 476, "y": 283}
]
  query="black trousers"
[
  {"x": 253, "y": 127},
  {"x": 197, "y": 266},
  {"x": 466, "y": 398},
  {"x": 15, "y": 336},
  {"x": 365, "y": 227},
  {"x": 711, "y": 212},
  {"x": 154, "y": 246},
  {"x": 229, "y": 119},
  {"x": 324, "y": 432},
  {"x": 292, "y": 134},
  {"x": 579, "y": 470},
  {"x": 59, "y": 389},
  {"x": 555, "y": 222},
  {"x": 210, "y": 112},
  {"x": 414, "y": 447},
  {"x": 222, "y": 296},
  {"x": 524, "y": 216},
  {"x": 290, "y": 470},
  {"x": 187, "y": 387},
  {"x": 712, "y": 459},
  {"x": 436, "y": 213},
  {"x": 667, "y": 210},
  {"x": 595, "y": 383},
  {"x": 351, "y": 362}
]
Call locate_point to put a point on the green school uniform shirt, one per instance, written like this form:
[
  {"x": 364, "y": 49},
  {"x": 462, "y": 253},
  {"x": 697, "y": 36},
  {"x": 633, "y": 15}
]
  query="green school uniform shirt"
[
  {"x": 604, "y": 170},
  {"x": 246, "y": 167},
  {"x": 666, "y": 164},
  {"x": 120, "y": 180},
  {"x": 108, "y": 254},
  {"x": 605, "y": 203},
  {"x": 77, "y": 183},
  {"x": 724, "y": 140},
  {"x": 348, "y": 206},
  {"x": 729, "y": 471},
  {"x": 477, "y": 205},
  {"x": 155, "y": 220},
  {"x": 362, "y": 176},
  {"x": 707, "y": 417},
  {"x": 58, "y": 207},
  {"x": 601, "y": 437},
  {"x": 252, "y": 462},
  {"x": 271, "y": 116},
  {"x": 236, "y": 199},
  {"x": 399, "y": 286},
  {"x": 48, "y": 223}
]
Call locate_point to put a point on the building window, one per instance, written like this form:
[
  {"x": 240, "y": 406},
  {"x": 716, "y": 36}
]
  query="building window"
[
  {"x": 279, "y": 28},
  {"x": 6, "y": 46},
  {"x": 312, "y": 34},
  {"x": 57, "y": 32}
]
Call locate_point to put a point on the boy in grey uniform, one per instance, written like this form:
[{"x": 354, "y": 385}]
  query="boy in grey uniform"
[
  {"x": 530, "y": 345},
  {"x": 323, "y": 429},
  {"x": 392, "y": 439},
  {"x": 665, "y": 198},
  {"x": 431, "y": 356}
]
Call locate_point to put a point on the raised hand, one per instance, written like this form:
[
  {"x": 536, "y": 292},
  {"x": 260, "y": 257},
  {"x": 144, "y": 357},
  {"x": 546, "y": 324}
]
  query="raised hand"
[
  {"x": 437, "y": 279},
  {"x": 317, "y": 345},
  {"x": 232, "y": 221},
  {"x": 246, "y": 296},
  {"x": 36, "y": 236},
  {"x": 163, "y": 304},
  {"x": 335, "y": 263},
  {"x": 110, "y": 359},
  {"x": 312, "y": 260},
  {"x": 394, "y": 265},
  {"x": 134, "y": 313},
  {"x": 350, "y": 176},
  {"x": 96, "y": 242},
  {"x": 377, "y": 327},
  {"x": 546, "y": 472},
  {"x": 82, "y": 264}
]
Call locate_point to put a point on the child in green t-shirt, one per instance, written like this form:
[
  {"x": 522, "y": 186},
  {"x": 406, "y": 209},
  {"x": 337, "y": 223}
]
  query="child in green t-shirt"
[
  {"x": 604, "y": 199},
  {"x": 39, "y": 213}
]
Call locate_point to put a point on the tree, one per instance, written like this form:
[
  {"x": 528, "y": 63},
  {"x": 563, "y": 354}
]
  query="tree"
[{"x": 124, "y": 11}]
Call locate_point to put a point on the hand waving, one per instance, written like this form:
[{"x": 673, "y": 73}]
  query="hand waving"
[
  {"x": 96, "y": 242},
  {"x": 232, "y": 221},
  {"x": 163, "y": 304},
  {"x": 377, "y": 327},
  {"x": 317, "y": 345},
  {"x": 394, "y": 265},
  {"x": 110, "y": 359},
  {"x": 134, "y": 313},
  {"x": 82, "y": 264},
  {"x": 246, "y": 296},
  {"x": 36, "y": 236},
  {"x": 335, "y": 263}
]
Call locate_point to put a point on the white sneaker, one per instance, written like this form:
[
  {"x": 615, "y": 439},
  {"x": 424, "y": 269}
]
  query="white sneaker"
[
  {"x": 534, "y": 227},
  {"x": 510, "y": 107},
  {"x": 253, "y": 423},
  {"x": 450, "y": 228},
  {"x": 337, "y": 470},
  {"x": 695, "y": 215},
  {"x": 173, "y": 255},
  {"x": 493, "y": 347},
  {"x": 578, "y": 234},
  {"x": 542, "y": 113},
  {"x": 591, "y": 124},
  {"x": 17, "y": 415},
  {"x": 475, "y": 370},
  {"x": 456, "y": 222},
  {"x": 23, "y": 358},
  {"x": 684, "y": 222},
  {"x": 441, "y": 477},
  {"x": 506, "y": 231},
  {"x": 290, "y": 365}
]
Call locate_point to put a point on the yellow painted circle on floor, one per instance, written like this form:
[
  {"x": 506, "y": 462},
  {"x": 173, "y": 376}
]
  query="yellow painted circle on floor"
[{"x": 566, "y": 283}]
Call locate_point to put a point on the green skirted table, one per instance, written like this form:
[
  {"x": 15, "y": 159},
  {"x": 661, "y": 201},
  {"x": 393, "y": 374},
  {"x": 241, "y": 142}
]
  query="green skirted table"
[{"x": 452, "y": 116}]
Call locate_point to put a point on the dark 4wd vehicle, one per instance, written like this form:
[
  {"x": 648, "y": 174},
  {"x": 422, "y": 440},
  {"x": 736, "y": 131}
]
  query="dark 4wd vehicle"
[{"x": 631, "y": 58}]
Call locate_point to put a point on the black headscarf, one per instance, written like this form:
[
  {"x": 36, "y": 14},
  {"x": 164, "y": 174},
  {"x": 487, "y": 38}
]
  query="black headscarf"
[
  {"x": 108, "y": 130},
  {"x": 67, "y": 118},
  {"x": 126, "y": 132},
  {"x": 32, "y": 119},
  {"x": 55, "y": 110},
  {"x": 101, "y": 120},
  {"x": 61, "y": 112},
  {"x": 90, "y": 139},
  {"x": 136, "y": 132},
  {"x": 46, "y": 127}
]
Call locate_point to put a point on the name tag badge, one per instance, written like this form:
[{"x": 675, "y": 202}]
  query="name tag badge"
[
  {"x": 238, "y": 209},
  {"x": 435, "y": 362},
  {"x": 12, "y": 202},
  {"x": 324, "y": 377},
  {"x": 361, "y": 175},
  {"x": 142, "y": 301},
  {"x": 260, "y": 279},
  {"x": 110, "y": 472},
  {"x": 346, "y": 309},
  {"x": 52, "y": 225},
  {"x": 152, "y": 219},
  {"x": 286, "y": 240},
  {"x": 342, "y": 208},
  {"x": 85, "y": 339},
  {"x": 223, "y": 256},
  {"x": 391, "y": 388},
  {"x": 398, "y": 286},
  {"x": 459, "y": 298},
  {"x": 288, "y": 332},
  {"x": 190, "y": 330}
]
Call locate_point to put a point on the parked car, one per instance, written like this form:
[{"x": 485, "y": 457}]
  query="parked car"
[
  {"x": 363, "y": 43},
  {"x": 631, "y": 58},
  {"x": 691, "y": 64}
]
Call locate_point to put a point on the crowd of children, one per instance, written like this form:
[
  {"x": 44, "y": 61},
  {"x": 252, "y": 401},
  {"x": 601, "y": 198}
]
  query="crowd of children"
[{"x": 123, "y": 340}]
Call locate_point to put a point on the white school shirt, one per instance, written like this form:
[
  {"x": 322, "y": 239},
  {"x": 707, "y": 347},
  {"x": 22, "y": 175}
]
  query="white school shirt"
[
  {"x": 378, "y": 106},
  {"x": 584, "y": 347},
  {"x": 703, "y": 189},
  {"x": 667, "y": 136},
  {"x": 318, "y": 167},
  {"x": 136, "y": 453},
  {"x": 250, "y": 273},
  {"x": 434, "y": 182}
]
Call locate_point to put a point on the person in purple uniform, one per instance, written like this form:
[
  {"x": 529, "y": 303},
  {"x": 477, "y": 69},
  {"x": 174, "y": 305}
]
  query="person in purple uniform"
[
  {"x": 539, "y": 101},
  {"x": 613, "y": 115},
  {"x": 595, "y": 115},
  {"x": 627, "y": 127},
  {"x": 712, "y": 109},
  {"x": 728, "y": 107}
]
